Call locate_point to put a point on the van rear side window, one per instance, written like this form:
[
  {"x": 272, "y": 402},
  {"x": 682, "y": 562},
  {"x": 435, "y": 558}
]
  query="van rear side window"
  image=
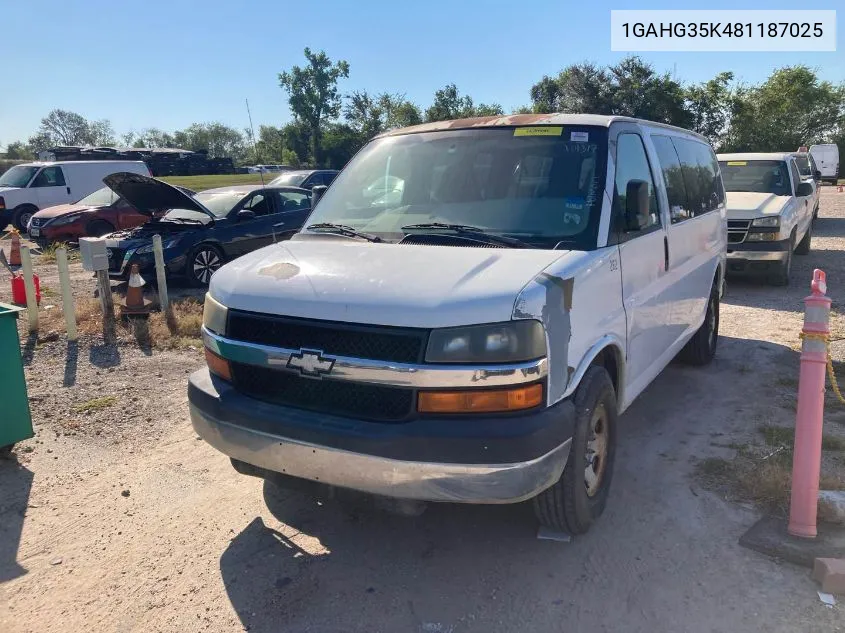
[{"x": 691, "y": 173}]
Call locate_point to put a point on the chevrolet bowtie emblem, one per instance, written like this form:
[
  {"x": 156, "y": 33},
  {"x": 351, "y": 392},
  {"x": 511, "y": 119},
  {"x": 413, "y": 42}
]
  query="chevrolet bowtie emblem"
[{"x": 310, "y": 362}]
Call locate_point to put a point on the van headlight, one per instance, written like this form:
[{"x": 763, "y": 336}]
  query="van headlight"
[
  {"x": 772, "y": 222},
  {"x": 511, "y": 342},
  {"x": 214, "y": 315}
]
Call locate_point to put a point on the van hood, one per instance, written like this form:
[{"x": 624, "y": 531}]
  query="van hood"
[
  {"x": 384, "y": 284},
  {"x": 745, "y": 205}
]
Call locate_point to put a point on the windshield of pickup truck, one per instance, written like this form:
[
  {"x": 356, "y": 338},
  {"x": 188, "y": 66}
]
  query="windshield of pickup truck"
[
  {"x": 17, "y": 176},
  {"x": 759, "y": 176},
  {"x": 540, "y": 185}
]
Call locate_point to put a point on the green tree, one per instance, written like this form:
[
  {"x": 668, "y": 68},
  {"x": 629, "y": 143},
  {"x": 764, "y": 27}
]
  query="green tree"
[
  {"x": 449, "y": 104},
  {"x": 371, "y": 115},
  {"x": 62, "y": 127},
  {"x": 340, "y": 142},
  {"x": 19, "y": 151},
  {"x": 709, "y": 106},
  {"x": 638, "y": 91},
  {"x": 791, "y": 108},
  {"x": 313, "y": 96},
  {"x": 215, "y": 138},
  {"x": 578, "y": 88}
]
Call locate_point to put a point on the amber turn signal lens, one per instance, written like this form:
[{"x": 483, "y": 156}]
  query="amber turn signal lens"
[
  {"x": 217, "y": 365},
  {"x": 480, "y": 401}
]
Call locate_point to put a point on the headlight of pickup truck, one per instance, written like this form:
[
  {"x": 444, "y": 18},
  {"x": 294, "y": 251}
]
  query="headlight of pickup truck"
[
  {"x": 511, "y": 342},
  {"x": 214, "y": 315},
  {"x": 772, "y": 222}
]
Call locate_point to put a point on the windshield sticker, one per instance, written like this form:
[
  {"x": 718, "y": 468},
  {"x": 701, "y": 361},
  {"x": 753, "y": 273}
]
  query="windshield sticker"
[
  {"x": 574, "y": 203},
  {"x": 541, "y": 130},
  {"x": 579, "y": 137},
  {"x": 737, "y": 163}
]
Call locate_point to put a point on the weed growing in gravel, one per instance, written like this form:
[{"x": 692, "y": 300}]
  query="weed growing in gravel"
[
  {"x": 180, "y": 329},
  {"x": 96, "y": 404},
  {"x": 48, "y": 254}
]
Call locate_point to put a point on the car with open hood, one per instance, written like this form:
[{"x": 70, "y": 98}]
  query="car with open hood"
[
  {"x": 466, "y": 312},
  {"x": 95, "y": 215},
  {"x": 200, "y": 232},
  {"x": 770, "y": 214}
]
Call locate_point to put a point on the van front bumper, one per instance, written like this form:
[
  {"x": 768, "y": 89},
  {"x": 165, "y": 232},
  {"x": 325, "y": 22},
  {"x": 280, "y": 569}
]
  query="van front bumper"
[{"x": 471, "y": 459}]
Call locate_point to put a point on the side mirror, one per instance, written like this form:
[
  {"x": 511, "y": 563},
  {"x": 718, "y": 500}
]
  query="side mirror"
[
  {"x": 804, "y": 189},
  {"x": 636, "y": 205},
  {"x": 817, "y": 175},
  {"x": 246, "y": 214},
  {"x": 317, "y": 192}
]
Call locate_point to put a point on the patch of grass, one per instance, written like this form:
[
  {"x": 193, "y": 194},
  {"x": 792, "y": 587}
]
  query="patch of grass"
[
  {"x": 832, "y": 443},
  {"x": 48, "y": 255},
  {"x": 777, "y": 435},
  {"x": 787, "y": 381},
  {"x": 96, "y": 404},
  {"x": 48, "y": 292},
  {"x": 181, "y": 328},
  {"x": 199, "y": 183}
]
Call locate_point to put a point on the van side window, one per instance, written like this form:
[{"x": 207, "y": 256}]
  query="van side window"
[
  {"x": 632, "y": 165},
  {"x": 701, "y": 175},
  {"x": 676, "y": 190},
  {"x": 49, "y": 177}
]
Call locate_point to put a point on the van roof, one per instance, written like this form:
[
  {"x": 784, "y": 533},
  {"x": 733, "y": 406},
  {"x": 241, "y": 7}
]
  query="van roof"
[
  {"x": 45, "y": 163},
  {"x": 756, "y": 156},
  {"x": 519, "y": 120}
]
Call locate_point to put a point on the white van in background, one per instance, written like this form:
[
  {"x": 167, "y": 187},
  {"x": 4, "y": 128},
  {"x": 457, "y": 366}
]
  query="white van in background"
[
  {"x": 27, "y": 188},
  {"x": 827, "y": 161}
]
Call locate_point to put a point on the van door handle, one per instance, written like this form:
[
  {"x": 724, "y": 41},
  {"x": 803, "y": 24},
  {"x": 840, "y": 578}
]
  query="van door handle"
[
  {"x": 666, "y": 252},
  {"x": 68, "y": 190}
]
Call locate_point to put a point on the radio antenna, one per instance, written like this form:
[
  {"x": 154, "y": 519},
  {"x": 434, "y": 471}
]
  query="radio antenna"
[{"x": 252, "y": 135}]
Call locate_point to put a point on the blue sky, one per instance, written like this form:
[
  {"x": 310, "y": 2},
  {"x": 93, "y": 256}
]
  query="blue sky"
[{"x": 168, "y": 64}]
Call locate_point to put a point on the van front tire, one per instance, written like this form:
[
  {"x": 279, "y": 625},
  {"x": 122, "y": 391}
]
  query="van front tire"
[
  {"x": 578, "y": 498},
  {"x": 21, "y": 216}
]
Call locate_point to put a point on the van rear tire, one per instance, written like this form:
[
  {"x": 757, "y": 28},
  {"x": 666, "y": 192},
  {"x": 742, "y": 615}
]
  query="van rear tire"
[{"x": 578, "y": 498}]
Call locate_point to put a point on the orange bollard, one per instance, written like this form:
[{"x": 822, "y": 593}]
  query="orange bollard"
[
  {"x": 15, "y": 254},
  {"x": 806, "y": 460}
]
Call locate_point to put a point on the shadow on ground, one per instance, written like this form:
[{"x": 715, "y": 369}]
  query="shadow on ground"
[
  {"x": 15, "y": 483},
  {"x": 343, "y": 565}
]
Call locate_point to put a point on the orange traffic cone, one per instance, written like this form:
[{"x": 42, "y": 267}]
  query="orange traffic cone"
[
  {"x": 135, "y": 303},
  {"x": 15, "y": 255}
]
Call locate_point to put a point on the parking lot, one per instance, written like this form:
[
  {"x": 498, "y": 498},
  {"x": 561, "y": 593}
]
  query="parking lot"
[{"x": 116, "y": 518}]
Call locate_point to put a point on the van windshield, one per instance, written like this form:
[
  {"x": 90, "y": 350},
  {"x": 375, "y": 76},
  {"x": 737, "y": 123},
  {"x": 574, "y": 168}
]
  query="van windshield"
[
  {"x": 759, "y": 176},
  {"x": 540, "y": 185},
  {"x": 17, "y": 176}
]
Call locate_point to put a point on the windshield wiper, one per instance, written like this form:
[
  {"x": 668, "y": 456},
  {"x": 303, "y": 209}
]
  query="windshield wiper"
[
  {"x": 342, "y": 229},
  {"x": 468, "y": 230}
]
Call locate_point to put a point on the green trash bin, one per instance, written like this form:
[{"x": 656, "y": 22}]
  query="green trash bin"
[{"x": 16, "y": 420}]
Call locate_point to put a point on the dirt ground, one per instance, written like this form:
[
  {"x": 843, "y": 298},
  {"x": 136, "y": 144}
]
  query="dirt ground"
[{"x": 116, "y": 518}]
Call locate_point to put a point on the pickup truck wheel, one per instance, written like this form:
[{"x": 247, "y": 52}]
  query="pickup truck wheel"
[
  {"x": 578, "y": 498},
  {"x": 701, "y": 348},
  {"x": 803, "y": 247},
  {"x": 781, "y": 276}
]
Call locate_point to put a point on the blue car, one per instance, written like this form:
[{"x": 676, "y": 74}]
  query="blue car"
[{"x": 200, "y": 233}]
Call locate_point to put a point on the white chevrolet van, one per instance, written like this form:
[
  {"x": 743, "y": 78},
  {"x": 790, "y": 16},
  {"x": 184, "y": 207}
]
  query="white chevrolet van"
[
  {"x": 27, "y": 188},
  {"x": 473, "y": 336}
]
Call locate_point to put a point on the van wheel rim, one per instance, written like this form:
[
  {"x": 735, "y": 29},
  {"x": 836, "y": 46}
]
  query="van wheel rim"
[
  {"x": 26, "y": 216},
  {"x": 205, "y": 263},
  {"x": 596, "y": 457}
]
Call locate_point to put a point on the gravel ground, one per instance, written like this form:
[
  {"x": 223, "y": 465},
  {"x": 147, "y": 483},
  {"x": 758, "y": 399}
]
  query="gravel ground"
[{"x": 118, "y": 519}]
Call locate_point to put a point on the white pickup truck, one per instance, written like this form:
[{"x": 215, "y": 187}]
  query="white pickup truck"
[
  {"x": 770, "y": 214},
  {"x": 473, "y": 337}
]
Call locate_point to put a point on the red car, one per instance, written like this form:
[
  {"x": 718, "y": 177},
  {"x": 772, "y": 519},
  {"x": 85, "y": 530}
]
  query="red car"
[{"x": 97, "y": 214}]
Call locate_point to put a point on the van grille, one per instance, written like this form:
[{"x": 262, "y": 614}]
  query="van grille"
[
  {"x": 399, "y": 345},
  {"x": 359, "y": 400}
]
